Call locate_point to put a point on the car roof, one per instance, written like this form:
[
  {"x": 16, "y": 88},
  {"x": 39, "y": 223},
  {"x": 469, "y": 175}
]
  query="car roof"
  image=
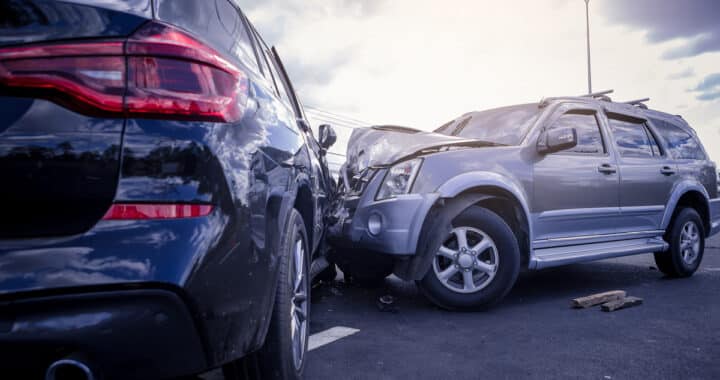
[{"x": 638, "y": 109}]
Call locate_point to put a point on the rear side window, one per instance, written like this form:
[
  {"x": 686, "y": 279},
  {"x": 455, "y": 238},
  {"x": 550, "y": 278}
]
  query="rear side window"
[
  {"x": 590, "y": 139},
  {"x": 217, "y": 22},
  {"x": 633, "y": 139},
  {"x": 681, "y": 144}
]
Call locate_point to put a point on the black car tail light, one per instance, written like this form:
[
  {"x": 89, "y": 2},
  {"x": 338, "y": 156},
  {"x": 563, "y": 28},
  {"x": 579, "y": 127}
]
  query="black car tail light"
[{"x": 159, "y": 72}]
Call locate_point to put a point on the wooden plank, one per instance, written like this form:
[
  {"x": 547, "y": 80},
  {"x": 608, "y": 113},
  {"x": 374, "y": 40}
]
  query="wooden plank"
[
  {"x": 598, "y": 299},
  {"x": 622, "y": 304}
]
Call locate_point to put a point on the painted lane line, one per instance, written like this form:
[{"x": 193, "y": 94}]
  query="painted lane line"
[{"x": 329, "y": 336}]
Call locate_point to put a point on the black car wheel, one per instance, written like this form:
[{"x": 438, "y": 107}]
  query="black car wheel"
[
  {"x": 282, "y": 357},
  {"x": 686, "y": 237},
  {"x": 476, "y": 266}
]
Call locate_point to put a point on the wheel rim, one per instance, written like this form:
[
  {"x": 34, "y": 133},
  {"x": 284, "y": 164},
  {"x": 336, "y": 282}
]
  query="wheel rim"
[
  {"x": 690, "y": 242},
  {"x": 299, "y": 303},
  {"x": 467, "y": 261}
]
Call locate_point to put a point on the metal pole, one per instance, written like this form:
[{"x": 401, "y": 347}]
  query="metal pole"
[{"x": 587, "y": 20}]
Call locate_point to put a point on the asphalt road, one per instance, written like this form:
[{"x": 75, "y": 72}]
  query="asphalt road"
[{"x": 533, "y": 333}]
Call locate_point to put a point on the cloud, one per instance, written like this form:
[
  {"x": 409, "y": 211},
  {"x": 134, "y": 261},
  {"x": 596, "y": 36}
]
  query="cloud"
[
  {"x": 709, "y": 88},
  {"x": 695, "y": 21},
  {"x": 302, "y": 30},
  {"x": 687, "y": 73}
]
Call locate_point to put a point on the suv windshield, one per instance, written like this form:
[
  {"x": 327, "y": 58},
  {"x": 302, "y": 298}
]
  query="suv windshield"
[{"x": 506, "y": 125}]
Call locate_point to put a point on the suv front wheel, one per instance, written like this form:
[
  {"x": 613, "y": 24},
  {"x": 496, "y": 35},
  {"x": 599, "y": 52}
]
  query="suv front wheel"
[
  {"x": 686, "y": 237},
  {"x": 477, "y": 264}
]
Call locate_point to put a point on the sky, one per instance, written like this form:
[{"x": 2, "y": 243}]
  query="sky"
[{"x": 421, "y": 63}]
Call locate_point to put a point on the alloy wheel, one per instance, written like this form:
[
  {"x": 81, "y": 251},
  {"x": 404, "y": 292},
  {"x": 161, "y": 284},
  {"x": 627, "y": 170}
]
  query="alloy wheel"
[
  {"x": 299, "y": 303},
  {"x": 467, "y": 261},
  {"x": 690, "y": 242}
]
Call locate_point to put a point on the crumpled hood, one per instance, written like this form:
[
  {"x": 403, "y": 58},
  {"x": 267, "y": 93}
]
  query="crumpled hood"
[{"x": 384, "y": 145}]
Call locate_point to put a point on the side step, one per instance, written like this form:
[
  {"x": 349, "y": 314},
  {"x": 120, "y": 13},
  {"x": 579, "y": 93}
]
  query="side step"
[{"x": 556, "y": 256}]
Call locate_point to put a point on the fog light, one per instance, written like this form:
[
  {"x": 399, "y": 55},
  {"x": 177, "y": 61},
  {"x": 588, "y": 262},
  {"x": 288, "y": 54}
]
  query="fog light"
[{"x": 375, "y": 224}]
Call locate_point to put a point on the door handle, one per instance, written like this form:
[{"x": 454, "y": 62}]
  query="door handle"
[
  {"x": 607, "y": 169},
  {"x": 668, "y": 171}
]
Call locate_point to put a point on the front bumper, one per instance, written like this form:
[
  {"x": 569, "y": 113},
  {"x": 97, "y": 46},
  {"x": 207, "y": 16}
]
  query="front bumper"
[
  {"x": 120, "y": 334},
  {"x": 714, "y": 216},
  {"x": 400, "y": 221}
]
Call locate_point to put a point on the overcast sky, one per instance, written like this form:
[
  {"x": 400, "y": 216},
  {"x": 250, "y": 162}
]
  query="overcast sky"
[{"x": 421, "y": 63}]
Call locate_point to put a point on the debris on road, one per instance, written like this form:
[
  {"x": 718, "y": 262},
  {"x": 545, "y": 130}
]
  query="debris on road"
[
  {"x": 598, "y": 299},
  {"x": 386, "y": 303},
  {"x": 622, "y": 304}
]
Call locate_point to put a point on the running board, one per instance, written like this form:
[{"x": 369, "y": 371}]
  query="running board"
[{"x": 552, "y": 257}]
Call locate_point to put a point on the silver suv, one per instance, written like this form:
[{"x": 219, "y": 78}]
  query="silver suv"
[{"x": 463, "y": 209}]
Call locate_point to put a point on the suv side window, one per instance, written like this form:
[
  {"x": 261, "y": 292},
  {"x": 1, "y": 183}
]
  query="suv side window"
[
  {"x": 681, "y": 143},
  {"x": 590, "y": 139},
  {"x": 632, "y": 138}
]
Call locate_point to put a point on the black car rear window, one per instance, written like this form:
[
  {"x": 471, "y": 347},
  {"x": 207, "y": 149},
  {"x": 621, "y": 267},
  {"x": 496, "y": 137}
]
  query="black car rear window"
[{"x": 506, "y": 125}]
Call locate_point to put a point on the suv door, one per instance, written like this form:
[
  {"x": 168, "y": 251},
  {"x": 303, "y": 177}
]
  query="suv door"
[
  {"x": 576, "y": 191},
  {"x": 317, "y": 168},
  {"x": 647, "y": 174}
]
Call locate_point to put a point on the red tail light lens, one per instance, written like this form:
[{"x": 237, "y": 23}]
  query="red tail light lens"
[
  {"x": 159, "y": 72},
  {"x": 156, "y": 211}
]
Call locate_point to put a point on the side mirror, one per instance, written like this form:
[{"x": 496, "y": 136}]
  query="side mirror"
[
  {"x": 556, "y": 140},
  {"x": 327, "y": 136}
]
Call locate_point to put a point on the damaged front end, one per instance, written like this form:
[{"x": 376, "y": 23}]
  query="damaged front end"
[{"x": 376, "y": 211}]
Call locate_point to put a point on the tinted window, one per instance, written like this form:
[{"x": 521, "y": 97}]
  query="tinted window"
[
  {"x": 679, "y": 142},
  {"x": 217, "y": 22},
  {"x": 284, "y": 92},
  {"x": 507, "y": 125},
  {"x": 631, "y": 138},
  {"x": 590, "y": 139}
]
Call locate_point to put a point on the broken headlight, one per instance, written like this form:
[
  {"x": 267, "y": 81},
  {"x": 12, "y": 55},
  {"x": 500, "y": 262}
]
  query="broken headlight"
[{"x": 399, "y": 179}]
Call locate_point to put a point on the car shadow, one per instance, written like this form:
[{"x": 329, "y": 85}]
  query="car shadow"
[{"x": 559, "y": 284}]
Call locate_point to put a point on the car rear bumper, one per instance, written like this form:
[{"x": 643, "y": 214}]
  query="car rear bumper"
[
  {"x": 714, "y": 216},
  {"x": 120, "y": 334},
  {"x": 396, "y": 222}
]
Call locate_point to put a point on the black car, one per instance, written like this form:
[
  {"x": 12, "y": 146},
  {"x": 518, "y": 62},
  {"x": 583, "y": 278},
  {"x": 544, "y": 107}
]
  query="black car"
[{"x": 163, "y": 196}]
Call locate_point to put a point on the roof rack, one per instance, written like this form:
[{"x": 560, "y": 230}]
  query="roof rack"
[
  {"x": 639, "y": 103},
  {"x": 599, "y": 94}
]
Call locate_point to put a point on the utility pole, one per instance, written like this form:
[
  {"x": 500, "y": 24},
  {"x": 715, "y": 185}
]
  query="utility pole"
[{"x": 587, "y": 21}]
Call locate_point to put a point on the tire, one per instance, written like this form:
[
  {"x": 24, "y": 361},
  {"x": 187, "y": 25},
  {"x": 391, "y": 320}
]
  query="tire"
[
  {"x": 283, "y": 354},
  {"x": 686, "y": 237},
  {"x": 493, "y": 266}
]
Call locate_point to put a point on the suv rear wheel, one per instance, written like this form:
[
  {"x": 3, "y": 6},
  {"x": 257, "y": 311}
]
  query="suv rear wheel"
[
  {"x": 282, "y": 357},
  {"x": 476, "y": 266},
  {"x": 686, "y": 237}
]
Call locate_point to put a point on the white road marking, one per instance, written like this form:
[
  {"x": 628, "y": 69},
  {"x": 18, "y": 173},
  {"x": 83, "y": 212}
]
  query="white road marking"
[{"x": 329, "y": 336}]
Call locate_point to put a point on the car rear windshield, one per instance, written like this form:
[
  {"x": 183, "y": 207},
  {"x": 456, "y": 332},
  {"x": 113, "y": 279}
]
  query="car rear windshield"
[{"x": 506, "y": 125}]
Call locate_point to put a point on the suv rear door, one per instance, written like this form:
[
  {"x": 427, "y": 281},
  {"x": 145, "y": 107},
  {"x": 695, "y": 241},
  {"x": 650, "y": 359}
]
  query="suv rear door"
[
  {"x": 576, "y": 191},
  {"x": 647, "y": 173}
]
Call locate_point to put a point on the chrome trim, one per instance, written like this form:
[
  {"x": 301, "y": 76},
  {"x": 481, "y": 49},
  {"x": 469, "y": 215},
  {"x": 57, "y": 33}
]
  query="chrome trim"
[{"x": 51, "y": 373}]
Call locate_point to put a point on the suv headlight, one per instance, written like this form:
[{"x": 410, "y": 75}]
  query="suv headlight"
[{"x": 399, "y": 179}]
